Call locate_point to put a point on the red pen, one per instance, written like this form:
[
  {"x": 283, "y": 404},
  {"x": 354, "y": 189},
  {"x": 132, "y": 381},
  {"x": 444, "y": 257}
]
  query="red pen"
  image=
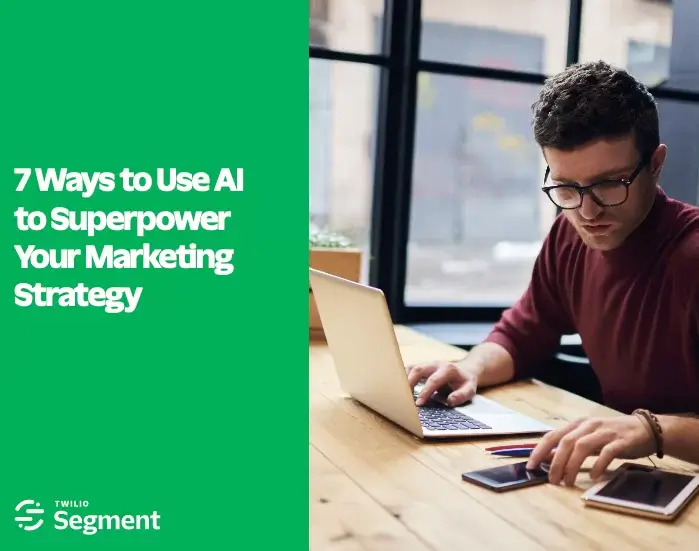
[{"x": 511, "y": 447}]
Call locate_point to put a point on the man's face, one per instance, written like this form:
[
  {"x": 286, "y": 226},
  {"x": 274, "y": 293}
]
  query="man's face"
[{"x": 600, "y": 227}]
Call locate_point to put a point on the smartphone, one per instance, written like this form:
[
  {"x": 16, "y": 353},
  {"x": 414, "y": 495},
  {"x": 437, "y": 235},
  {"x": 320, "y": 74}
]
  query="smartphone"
[{"x": 507, "y": 477}]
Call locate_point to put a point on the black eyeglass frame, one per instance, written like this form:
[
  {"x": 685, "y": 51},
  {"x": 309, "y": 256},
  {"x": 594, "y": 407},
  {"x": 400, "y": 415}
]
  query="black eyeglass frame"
[{"x": 582, "y": 190}]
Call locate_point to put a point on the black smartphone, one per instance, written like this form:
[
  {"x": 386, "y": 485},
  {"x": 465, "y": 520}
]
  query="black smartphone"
[{"x": 507, "y": 477}]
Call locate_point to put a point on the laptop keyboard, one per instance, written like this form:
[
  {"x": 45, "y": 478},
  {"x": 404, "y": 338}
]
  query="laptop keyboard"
[{"x": 436, "y": 416}]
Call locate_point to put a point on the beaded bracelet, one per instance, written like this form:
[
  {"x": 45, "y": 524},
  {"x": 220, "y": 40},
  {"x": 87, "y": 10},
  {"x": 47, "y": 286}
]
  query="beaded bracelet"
[{"x": 655, "y": 428}]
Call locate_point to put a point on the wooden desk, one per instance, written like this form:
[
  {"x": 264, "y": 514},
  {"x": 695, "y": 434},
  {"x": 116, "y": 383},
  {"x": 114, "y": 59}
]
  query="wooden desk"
[{"x": 375, "y": 486}]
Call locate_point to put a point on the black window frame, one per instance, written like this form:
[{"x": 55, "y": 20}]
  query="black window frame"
[{"x": 400, "y": 62}]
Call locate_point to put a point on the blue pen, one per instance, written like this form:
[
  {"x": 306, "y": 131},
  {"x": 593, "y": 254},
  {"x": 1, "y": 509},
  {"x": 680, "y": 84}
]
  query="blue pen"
[{"x": 514, "y": 452}]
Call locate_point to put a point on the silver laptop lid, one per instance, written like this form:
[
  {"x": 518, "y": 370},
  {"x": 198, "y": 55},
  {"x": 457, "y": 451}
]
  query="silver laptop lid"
[{"x": 362, "y": 342}]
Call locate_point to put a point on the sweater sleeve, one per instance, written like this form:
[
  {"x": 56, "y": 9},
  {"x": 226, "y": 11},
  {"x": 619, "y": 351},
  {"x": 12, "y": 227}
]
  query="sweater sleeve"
[{"x": 531, "y": 329}]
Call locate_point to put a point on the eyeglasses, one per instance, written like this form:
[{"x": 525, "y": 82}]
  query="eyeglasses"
[{"x": 605, "y": 193}]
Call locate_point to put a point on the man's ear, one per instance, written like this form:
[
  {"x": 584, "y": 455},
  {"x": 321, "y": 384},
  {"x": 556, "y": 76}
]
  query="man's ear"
[{"x": 658, "y": 160}]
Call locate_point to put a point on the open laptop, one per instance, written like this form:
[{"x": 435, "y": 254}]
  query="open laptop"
[{"x": 363, "y": 344}]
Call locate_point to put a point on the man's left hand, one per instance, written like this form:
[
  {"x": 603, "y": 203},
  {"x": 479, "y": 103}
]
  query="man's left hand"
[{"x": 626, "y": 437}]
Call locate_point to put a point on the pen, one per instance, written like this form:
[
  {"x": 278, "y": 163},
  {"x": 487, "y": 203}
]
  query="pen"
[
  {"x": 513, "y": 452},
  {"x": 510, "y": 447}
]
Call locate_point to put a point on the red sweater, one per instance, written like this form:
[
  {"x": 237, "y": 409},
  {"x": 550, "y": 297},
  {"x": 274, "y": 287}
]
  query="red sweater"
[{"x": 635, "y": 308}]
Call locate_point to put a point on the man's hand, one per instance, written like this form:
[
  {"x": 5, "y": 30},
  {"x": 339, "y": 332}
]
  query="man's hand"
[
  {"x": 462, "y": 383},
  {"x": 626, "y": 437}
]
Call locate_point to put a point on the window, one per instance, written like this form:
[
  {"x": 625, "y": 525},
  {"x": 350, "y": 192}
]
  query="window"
[
  {"x": 342, "y": 117},
  {"x": 460, "y": 216},
  {"x": 492, "y": 34},
  {"x": 318, "y": 23},
  {"x": 344, "y": 69},
  {"x": 634, "y": 34},
  {"x": 655, "y": 40},
  {"x": 649, "y": 62},
  {"x": 679, "y": 130},
  {"x": 477, "y": 216},
  {"x": 346, "y": 25}
]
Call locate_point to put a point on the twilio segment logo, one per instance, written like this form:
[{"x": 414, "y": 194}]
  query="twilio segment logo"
[{"x": 75, "y": 516}]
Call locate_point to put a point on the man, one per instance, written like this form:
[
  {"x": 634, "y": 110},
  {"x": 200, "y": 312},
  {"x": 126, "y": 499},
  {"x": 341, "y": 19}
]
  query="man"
[{"x": 620, "y": 267}]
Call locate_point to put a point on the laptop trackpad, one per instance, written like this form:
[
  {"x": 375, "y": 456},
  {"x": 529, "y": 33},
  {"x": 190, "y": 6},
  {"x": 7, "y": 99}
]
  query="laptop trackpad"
[{"x": 479, "y": 404}]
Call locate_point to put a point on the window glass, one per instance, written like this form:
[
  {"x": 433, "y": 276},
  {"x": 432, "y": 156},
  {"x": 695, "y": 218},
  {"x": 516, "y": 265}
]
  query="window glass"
[
  {"x": 519, "y": 35},
  {"x": 478, "y": 215},
  {"x": 342, "y": 118},
  {"x": 348, "y": 25},
  {"x": 653, "y": 40}
]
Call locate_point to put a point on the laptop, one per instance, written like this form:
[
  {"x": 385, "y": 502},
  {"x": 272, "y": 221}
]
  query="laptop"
[{"x": 362, "y": 341}]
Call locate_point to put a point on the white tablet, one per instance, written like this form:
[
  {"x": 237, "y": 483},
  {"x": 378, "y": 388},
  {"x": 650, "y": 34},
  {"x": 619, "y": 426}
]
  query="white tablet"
[{"x": 644, "y": 491}]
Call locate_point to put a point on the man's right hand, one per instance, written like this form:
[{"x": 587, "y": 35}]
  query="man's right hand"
[{"x": 461, "y": 382}]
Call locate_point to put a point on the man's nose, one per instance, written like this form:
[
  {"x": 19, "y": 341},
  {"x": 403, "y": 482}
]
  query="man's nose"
[{"x": 589, "y": 210}]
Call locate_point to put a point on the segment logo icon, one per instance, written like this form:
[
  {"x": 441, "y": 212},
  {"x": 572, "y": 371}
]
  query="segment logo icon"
[{"x": 29, "y": 514}]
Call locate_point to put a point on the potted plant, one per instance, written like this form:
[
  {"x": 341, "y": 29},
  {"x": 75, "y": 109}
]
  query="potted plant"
[{"x": 333, "y": 253}]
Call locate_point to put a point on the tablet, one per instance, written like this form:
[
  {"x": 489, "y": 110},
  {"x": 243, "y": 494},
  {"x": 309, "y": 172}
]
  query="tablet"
[{"x": 644, "y": 491}]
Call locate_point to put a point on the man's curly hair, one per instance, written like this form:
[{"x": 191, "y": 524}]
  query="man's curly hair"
[{"x": 591, "y": 101}]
